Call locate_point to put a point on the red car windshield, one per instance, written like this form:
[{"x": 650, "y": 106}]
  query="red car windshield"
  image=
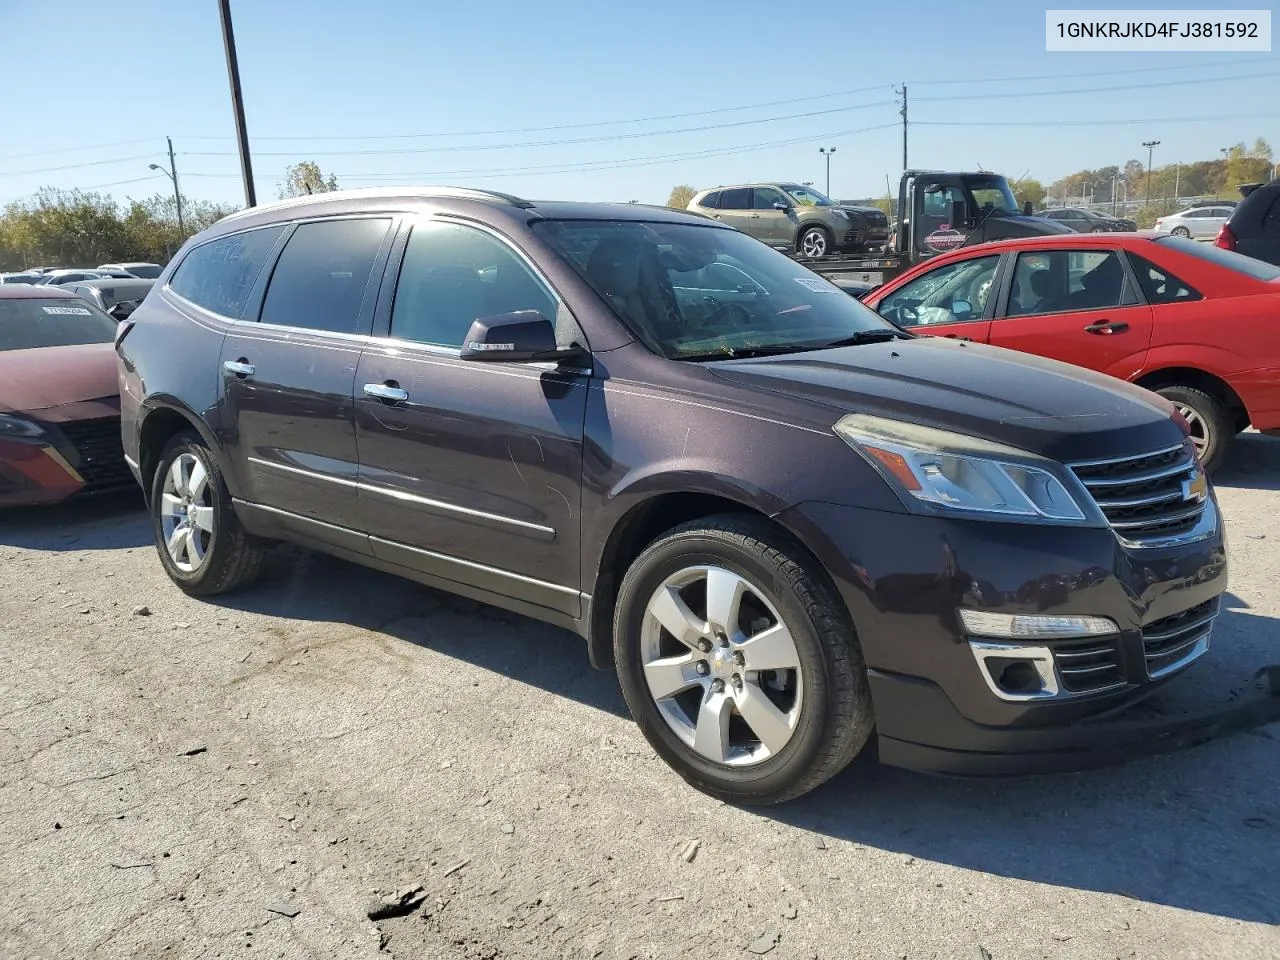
[{"x": 62, "y": 322}]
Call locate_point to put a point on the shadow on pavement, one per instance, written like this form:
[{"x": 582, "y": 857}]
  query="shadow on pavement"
[
  {"x": 1194, "y": 830},
  {"x": 108, "y": 522},
  {"x": 1253, "y": 463}
]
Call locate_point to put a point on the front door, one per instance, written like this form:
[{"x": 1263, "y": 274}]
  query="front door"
[
  {"x": 1078, "y": 306},
  {"x": 287, "y": 378},
  {"x": 775, "y": 227},
  {"x": 470, "y": 471}
]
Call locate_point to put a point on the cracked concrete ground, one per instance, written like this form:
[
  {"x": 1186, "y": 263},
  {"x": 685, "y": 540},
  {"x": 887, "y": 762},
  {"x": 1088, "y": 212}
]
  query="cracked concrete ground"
[{"x": 178, "y": 784}]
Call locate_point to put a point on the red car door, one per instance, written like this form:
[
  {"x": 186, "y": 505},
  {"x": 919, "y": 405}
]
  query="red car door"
[
  {"x": 1079, "y": 306},
  {"x": 954, "y": 299}
]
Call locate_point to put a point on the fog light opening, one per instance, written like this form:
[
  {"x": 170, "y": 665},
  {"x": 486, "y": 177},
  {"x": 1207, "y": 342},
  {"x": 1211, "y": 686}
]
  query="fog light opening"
[
  {"x": 1017, "y": 676},
  {"x": 1015, "y": 671}
]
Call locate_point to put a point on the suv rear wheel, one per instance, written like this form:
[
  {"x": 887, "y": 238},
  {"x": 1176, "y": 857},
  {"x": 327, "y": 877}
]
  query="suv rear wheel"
[
  {"x": 814, "y": 242},
  {"x": 201, "y": 543},
  {"x": 738, "y": 662}
]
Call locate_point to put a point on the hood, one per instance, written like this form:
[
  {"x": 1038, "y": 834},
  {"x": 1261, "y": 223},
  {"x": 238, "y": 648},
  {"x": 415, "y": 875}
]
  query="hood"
[
  {"x": 1019, "y": 225},
  {"x": 1053, "y": 409},
  {"x": 32, "y": 380}
]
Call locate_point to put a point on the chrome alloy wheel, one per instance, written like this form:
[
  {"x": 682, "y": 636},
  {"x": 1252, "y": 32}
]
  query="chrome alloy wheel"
[
  {"x": 186, "y": 512},
  {"x": 721, "y": 666},
  {"x": 814, "y": 243},
  {"x": 1199, "y": 429}
]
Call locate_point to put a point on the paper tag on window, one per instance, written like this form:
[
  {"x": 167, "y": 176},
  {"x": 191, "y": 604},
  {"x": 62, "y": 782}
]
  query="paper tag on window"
[
  {"x": 70, "y": 311},
  {"x": 817, "y": 285}
]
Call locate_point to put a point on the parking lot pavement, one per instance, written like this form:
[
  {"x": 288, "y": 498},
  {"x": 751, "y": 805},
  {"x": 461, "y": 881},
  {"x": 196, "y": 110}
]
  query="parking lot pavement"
[{"x": 253, "y": 773}]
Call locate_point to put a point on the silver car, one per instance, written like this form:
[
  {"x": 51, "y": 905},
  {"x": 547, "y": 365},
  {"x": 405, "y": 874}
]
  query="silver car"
[{"x": 1201, "y": 223}]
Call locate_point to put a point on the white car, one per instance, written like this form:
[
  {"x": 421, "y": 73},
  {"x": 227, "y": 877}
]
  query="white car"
[
  {"x": 143, "y": 271},
  {"x": 1202, "y": 223}
]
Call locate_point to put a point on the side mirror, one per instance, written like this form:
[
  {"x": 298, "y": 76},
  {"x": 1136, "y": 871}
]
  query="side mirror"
[
  {"x": 958, "y": 215},
  {"x": 1026, "y": 209},
  {"x": 961, "y": 308},
  {"x": 524, "y": 336},
  {"x": 779, "y": 205},
  {"x": 123, "y": 309}
]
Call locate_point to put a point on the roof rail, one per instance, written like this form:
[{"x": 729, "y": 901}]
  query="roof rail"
[{"x": 462, "y": 193}]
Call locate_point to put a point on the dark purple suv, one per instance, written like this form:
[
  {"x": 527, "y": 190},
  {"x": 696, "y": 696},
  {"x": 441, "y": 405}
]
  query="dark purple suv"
[{"x": 791, "y": 527}]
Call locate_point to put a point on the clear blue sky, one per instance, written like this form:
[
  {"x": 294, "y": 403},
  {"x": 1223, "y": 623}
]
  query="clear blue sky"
[{"x": 325, "y": 80}]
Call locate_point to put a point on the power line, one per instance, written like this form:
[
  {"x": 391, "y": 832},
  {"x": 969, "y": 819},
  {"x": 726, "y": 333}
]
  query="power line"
[
  {"x": 83, "y": 146},
  {"x": 1132, "y": 86},
  {"x": 555, "y": 143},
  {"x": 73, "y": 166},
  {"x": 1091, "y": 123}
]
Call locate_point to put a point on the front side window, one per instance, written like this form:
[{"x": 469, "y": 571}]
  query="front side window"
[
  {"x": 218, "y": 275},
  {"x": 808, "y": 197},
  {"x": 323, "y": 272},
  {"x": 453, "y": 275},
  {"x": 56, "y": 322},
  {"x": 705, "y": 293},
  {"x": 992, "y": 195},
  {"x": 766, "y": 197},
  {"x": 1058, "y": 281},
  {"x": 1159, "y": 285},
  {"x": 954, "y": 293}
]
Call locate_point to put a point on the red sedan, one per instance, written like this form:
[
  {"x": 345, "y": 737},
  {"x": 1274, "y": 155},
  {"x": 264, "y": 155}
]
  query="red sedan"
[
  {"x": 1195, "y": 323},
  {"x": 59, "y": 402}
]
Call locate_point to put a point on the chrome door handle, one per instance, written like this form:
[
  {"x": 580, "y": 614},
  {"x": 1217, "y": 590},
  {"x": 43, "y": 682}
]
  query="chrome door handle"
[
  {"x": 239, "y": 367},
  {"x": 386, "y": 391}
]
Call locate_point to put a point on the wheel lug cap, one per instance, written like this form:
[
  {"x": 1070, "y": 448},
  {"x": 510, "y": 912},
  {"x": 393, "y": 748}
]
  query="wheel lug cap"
[
  {"x": 702, "y": 668},
  {"x": 704, "y": 646},
  {"x": 717, "y": 686}
]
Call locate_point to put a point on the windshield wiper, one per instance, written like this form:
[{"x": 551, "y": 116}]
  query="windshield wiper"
[{"x": 864, "y": 336}]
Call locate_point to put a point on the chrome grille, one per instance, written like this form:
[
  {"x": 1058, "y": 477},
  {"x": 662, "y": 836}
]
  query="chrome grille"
[
  {"x": 1087, "y": 666},
  {"x": 1173, "y": 642},
  {"x": 1146, "y": 498}
]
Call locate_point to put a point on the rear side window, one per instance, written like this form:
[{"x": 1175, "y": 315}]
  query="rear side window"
[
  {"x": 737, "y": 199},
  {"x": 219, "y": 275},
  {"x": 1228, "y": 259},
  {"x": 710, "y": 201},
  {"x": 1159, "y": 285},
  {"x": 452, "y": 275},
  {"x": 320, "y": 279}
]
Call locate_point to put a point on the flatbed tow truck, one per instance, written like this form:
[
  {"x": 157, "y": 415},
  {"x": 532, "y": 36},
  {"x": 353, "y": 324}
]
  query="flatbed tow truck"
[{"x": 937, "y": 211}]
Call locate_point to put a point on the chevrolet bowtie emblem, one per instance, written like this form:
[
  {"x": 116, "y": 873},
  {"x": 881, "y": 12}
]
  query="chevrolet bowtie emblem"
[{"x": 1196, "y": 489}]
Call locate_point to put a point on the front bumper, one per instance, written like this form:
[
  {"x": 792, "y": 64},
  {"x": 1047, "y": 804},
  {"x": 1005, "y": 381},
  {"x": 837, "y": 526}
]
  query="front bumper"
[
  {"x": 903, "y": 578},
  {"x": 69, "y": 458}
]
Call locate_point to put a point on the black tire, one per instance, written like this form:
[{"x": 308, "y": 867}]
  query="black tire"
[
  {"x": 1180, "y": 232},
  {"x": 1219, "y": 426},
  {"x": 1098, "y": 230},
  {"x": 233, "y": 558},
  {"x": 835, "y": 716},
  {"x": 823, "y": 232}
]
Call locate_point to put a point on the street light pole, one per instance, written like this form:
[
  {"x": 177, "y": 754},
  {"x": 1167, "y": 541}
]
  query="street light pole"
[
  {"x": 237, "y": 102},
  {"x": 172, "y": 174},
  {"x": 1151, "y": 146},
  {"x": 827, "y": 152}
]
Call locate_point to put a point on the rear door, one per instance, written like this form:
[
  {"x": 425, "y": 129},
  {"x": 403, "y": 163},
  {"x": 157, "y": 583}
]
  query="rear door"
[
  {"x": 735, "y": 210},
  {"x": 955, "y": 300},
  {"x": 288, "y": 375},
  {"x": 1080, "y": 306}
]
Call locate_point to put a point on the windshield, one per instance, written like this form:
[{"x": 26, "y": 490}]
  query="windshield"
[
  {"x": 991, "y": 195},
  {"x": 808, "y": 197},
  {"x": 1258, "y": 269},
  {"x": 706, "y": 293},
  {"x": 61, "y": 322},
  {"x": 145, "y": 271}
]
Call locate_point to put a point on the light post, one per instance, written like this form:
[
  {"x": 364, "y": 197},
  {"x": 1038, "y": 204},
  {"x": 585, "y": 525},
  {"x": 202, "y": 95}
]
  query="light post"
[
  {"x": 172, "y": 174},
  {"x": 827, "y": 152},
  {"x": 1151, "y": 146}
]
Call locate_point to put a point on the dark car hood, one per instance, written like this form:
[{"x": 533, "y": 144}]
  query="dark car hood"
[
  {"x": 32, "y": 380},
  {"x": 1050, "y": 408}
]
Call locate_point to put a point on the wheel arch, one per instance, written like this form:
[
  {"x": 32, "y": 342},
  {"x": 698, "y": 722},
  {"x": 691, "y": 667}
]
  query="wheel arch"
[
  {"x": 162, "y": 419},
  {"x": 805, "y": 226},
  {"x": 649, "y": 516},
  {"x": 1198, "y": 379}
]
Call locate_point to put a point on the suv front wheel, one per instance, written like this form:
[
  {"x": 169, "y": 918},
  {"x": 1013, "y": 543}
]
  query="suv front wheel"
[
  {"x": 201, "y": 542},
  {"x": 739, "y": 663},
  {"x": 814, "y": 242}
]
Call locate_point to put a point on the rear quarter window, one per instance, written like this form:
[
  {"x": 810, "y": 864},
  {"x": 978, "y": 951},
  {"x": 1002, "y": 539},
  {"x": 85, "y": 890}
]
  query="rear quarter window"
[
  {"x": 219, "y": 275},
  {"x": 1227, "y": 259}
]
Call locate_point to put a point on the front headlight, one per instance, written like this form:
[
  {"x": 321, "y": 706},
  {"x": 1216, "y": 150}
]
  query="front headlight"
[
  {"x": 936, "y": 471},
  {"x": 841, "y": 214},
  {"x": 17, "y": 427}
]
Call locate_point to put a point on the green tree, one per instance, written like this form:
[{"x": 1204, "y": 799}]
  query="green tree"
[
  {"x": 680, "y": 196},
  {"x": 1028, "y": 190},
  {"x": 306, "y": 178}
]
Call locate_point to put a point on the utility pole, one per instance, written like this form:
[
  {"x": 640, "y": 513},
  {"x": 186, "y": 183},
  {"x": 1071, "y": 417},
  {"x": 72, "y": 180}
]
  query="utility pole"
[
  {"x": 177, "y": 194},
  {"x": 1177, "y": 180},
  {"x": 1151, "y": 146},
  {"x": 237, "y": 102},
  {"x": 827, "y": 152},
  {"x": 1115, "y": 182},
  {"x": 903, "y": 113}
]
